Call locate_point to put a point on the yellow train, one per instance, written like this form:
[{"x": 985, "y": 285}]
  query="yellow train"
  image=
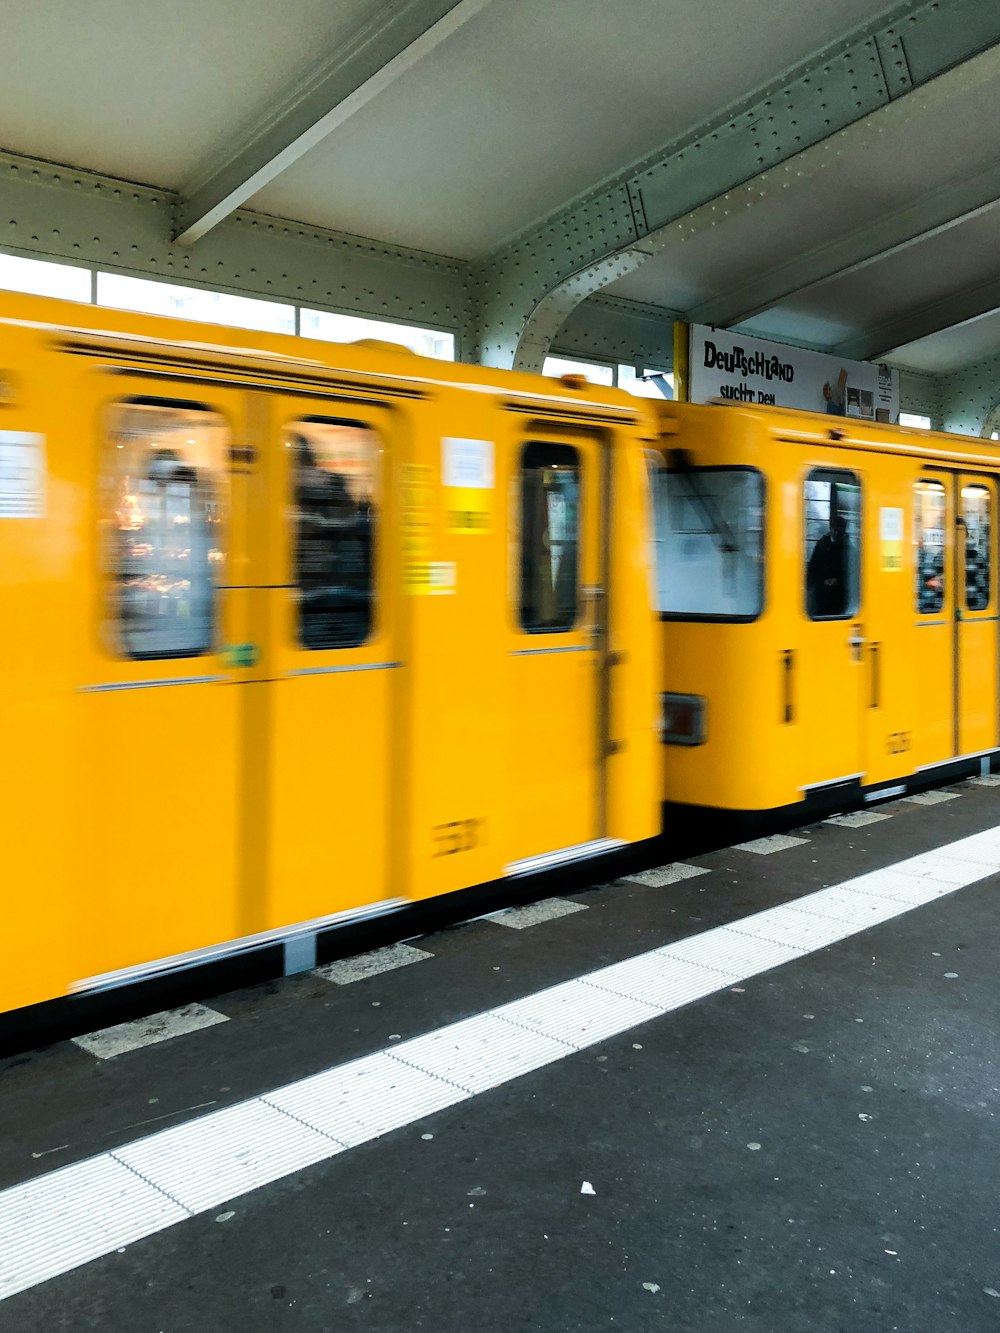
[
  {"x": 296, "y": 633},
  {"x": 829, "y": 596}
]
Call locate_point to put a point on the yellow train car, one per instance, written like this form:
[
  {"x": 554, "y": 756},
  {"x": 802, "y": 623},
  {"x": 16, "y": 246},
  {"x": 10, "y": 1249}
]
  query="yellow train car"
[
  {"x": 297, "y": 633},
  {"x": 828, "y": 592}
]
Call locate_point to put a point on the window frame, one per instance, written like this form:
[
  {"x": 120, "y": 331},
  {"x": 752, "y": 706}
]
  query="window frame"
[
  {"x": 113, "y": 582},
  {"x": 376, "y": 600},
  {"x": 713, "y": 618},
  {"x": 940, "y": 610},
  {"x": 519, "y": 599},
  {"x": 854, "y": 607},
  {"x": 981, "y": 482}
]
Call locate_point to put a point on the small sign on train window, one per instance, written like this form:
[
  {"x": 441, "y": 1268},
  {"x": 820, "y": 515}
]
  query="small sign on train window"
[{"x": 22, "y": 475}]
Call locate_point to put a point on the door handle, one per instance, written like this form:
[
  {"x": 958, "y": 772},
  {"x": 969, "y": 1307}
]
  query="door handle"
[
  {"x": 787, "y": 667},
  {"x": 876, "y": 698}
]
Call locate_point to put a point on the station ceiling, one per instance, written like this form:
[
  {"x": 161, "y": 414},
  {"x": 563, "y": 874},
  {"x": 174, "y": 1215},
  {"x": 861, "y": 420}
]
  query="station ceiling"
[{"x": 464, "y": 127}]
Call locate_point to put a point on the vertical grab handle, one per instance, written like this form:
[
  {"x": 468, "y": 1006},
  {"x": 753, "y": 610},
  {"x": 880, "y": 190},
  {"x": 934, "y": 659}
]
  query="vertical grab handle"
[
  {"x": 787, "y": 669},
  {"x": 876, "y": 699}
]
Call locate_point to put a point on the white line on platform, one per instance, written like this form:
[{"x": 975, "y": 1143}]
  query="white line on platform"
[
  {"x": 931, "y": 797},
  {"x": 68, "y": 1217},
  {"x": 533, "y": 914},
  {"x": 372, "y": 964},
  {"x": 124, "y": 1037}
]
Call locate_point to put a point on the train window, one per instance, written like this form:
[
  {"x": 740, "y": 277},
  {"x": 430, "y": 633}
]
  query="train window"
[
  {"x": 976, "y": 522},
  {"x": 335, "y": 480},
  {"x": 928, "y": 542},
  {"x": 163, "y": 509},
  {"x": 550, "y": 531},
  {"x": 708, "y": 535},
  {"x": 832, "y": 546}
]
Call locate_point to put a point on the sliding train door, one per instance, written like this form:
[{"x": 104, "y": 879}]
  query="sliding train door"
[
  {"x": 975, "y": 595},
  {"x": 558, "y": 608},
  {"x": 955, "y": 704},
  {"x": 158, "y": 716},
  {"x": 829, "y": 689},
  {"x": 329, "y": 724}
]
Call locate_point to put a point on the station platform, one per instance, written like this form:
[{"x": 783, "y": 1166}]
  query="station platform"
[{"x": 755, "y": 1090}]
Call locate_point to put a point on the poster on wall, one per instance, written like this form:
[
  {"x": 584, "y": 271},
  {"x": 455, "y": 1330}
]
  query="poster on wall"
[{"x": 728, "y": 367}]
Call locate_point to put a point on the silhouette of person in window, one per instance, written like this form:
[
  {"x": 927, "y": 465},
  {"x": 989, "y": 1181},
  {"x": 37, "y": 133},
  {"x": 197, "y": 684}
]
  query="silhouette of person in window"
[
  {"x": 828, "y": 571},
  {"x": 977, "y": 577}
]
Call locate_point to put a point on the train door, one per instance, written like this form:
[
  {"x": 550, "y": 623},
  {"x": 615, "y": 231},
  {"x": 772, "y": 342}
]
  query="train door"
[
  {"x": 830, "y": 676},
  {"x": 956, "y": 599},
  {"x": 332, "y": 628},
  {"x": 159, "y": 723},
  {"x": 932, "y": 725},
  {"x": 976, "y": 658},
  {"x": 558, "y": 706}
]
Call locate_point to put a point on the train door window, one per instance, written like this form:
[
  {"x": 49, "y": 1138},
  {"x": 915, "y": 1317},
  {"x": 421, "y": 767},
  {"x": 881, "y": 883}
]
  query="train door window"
[
  {"x": 709, "y": 543},
  {"x": 550, "y": 533},
  {"x": 976, "y": 506},
  {"x": 163, "y": 510},
  {"x": 335, "y": 485},
  {"x": 928, "y": 543},
  {"x": 832, "y": 544}
]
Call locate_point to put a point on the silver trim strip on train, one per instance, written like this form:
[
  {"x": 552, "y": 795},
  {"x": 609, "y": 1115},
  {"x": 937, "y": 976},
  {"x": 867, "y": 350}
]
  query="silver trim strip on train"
[
  {"x": 214, "y": 952},
  {"x": 582, "y": 851},
  {"x": 148, "y": 684},
  {"x": 337, "y": 670},
  {"x": 561, "y": 648}
]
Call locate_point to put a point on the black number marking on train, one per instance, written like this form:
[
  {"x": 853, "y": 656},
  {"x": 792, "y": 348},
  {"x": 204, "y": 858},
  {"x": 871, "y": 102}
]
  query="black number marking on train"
[
  {"x": 461, "y": 835},
  {"x": 898, "y": 742}
]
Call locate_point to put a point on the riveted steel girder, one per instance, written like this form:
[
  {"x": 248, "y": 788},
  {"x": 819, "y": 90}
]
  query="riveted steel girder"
[
  {"x": 529, "y": 289},
  {"x": 53, "y": 212}
]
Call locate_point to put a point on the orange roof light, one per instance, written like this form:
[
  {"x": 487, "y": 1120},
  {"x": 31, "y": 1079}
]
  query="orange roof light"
[{"x": 574, "y": 381}]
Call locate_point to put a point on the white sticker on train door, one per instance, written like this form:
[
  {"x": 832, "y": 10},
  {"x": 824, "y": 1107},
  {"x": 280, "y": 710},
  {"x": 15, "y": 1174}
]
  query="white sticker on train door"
[
  {"x": 467, "y": 473},
  {"x": 22, "y": 475},
  {"x": 891, "y": 535}
]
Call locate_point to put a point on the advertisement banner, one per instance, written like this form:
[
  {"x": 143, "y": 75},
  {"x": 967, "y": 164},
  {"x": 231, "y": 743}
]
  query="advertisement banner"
[{"x": 728, "y": 367}]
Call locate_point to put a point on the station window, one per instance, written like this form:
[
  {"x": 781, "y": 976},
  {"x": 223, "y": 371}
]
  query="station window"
[
  {"x": 163, "y": 507},
  {"x": 550, "y": 534},
  {"x": 832, "y": 544},
  {"x": 42, "y": 277},
  {"x": 976, "y": 506},
  {"x": 331, "y": 327},
  {"x": 554, "y": 366},
  {"x": 151, "y": 297},
  {"x": 928, "y": 543},
  {"x": 708, "y": 536},
  {"x": 334, "y": 469}
]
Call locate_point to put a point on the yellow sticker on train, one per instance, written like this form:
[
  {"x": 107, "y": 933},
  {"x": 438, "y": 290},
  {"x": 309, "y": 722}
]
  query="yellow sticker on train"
[
  {"x": 467, "y": 474},
  {"x": 891, "y": 535}
]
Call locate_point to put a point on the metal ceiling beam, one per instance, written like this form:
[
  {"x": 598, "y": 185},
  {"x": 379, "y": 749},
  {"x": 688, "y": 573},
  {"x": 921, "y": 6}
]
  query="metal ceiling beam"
[
  {"x": 912, "y": 60},
  {"x": 960, "y": 200},
  {"x": 376, "y": 54},
  {"x": 983, "y": 298}
]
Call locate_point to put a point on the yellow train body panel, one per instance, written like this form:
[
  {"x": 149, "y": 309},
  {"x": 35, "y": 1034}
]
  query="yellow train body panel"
[{"x": 212, "y": 737}]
